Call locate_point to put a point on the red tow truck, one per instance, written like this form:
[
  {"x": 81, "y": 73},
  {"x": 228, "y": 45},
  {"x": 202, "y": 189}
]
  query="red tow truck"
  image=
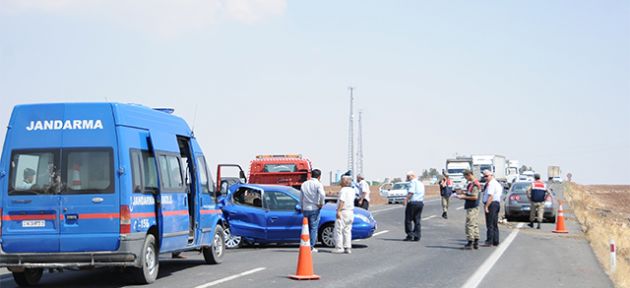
[{"x": 288, "y": 170}]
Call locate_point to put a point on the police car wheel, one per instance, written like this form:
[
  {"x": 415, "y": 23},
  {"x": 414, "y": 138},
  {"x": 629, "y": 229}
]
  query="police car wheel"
[
  {"x": 327, "y": 235},
  {"x": 213, "y": 254},
  {"x": 149, "y": 260},
  {"x": 29, "y": 277},
  {"x": 231, "y": 241}
]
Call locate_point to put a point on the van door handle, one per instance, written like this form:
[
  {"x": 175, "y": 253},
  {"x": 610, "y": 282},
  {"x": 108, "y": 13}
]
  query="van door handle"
[
  {"x": 97, "y": 200},
  {"x": 21, "y": 201},
  {"x": 273, "y": 219}
]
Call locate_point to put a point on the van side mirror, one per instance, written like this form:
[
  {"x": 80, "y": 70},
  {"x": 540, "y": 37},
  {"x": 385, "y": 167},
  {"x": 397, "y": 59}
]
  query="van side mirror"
[{"x": 243, "y": 178}]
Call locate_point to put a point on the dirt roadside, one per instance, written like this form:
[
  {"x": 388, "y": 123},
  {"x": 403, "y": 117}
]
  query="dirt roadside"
[
  {"x": 431, "y": 191},
  {"x": 604, "y": 214}
]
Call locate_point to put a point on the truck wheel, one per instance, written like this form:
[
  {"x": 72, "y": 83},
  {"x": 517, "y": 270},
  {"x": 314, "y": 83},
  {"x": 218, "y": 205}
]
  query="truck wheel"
[
  {"x": 327, "y": 235},
  {"x": 149, "y": 260},
  {"x": 213, "y": 254},
  {"x": 30, "y": 277}
]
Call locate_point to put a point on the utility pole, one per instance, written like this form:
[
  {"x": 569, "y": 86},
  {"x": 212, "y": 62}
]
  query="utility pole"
[
  {"x": 360, "y": 145},
  {"x": 351, "y": 133}
]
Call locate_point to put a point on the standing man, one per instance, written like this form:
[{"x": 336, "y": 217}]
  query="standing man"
[
  {"x": 492, "y": 204},
  {"x": 446, "y": 189},
  {"x": 537, "y": 194},
  {"x": 413, "y": 207},
  {"x": 472, "y": 210},
  {"x": 345, "y": 217},
  {"x": 363, "y": 200},
  {"x": 312, "y": 200}
]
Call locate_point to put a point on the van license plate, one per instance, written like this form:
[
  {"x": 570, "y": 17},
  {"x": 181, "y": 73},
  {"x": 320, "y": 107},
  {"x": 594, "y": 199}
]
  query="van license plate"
[{"x": 33, "y": 223}]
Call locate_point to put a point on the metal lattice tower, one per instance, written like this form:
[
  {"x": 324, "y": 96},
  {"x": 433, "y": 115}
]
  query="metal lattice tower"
[
  {"x": 360, "y": 145},
  {"x": 351, "y": 133}
]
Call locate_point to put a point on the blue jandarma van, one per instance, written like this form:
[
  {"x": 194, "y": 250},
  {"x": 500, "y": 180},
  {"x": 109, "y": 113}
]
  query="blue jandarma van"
[{"x": 103, "y": 184}]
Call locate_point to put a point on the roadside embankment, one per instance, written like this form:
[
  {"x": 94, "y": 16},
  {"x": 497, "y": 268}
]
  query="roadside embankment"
[{"x": 604, "y": 214}]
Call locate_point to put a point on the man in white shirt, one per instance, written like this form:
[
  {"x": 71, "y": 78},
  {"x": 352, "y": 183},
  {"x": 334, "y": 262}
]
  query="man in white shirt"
[
  {"x": 363, "y": 200},
  {"x": 312, "y": 200},
  {"x": 492, "y": 205},
  {"x": 345, "y": 217},
  {"x": 28, "y": 180},
  {"x": 414, "y": 203}
]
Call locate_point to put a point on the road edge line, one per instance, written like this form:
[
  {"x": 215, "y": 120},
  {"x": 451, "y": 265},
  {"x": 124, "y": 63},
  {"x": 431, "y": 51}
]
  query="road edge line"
[
  {"x": 226, "y": 279},
  {"x": 482, "y": 271}
]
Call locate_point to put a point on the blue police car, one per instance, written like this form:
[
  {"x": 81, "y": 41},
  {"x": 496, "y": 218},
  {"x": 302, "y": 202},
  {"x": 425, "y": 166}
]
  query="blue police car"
[
  {"x": 272, "y": 214},
  {"x": 103, "y": 184}
]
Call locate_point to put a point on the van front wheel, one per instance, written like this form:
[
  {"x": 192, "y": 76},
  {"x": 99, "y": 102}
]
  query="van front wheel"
[
  {"x": 148, "y": 272},
  {"x": 30, "y": 277},
  {"x": 213, "y": 254}
]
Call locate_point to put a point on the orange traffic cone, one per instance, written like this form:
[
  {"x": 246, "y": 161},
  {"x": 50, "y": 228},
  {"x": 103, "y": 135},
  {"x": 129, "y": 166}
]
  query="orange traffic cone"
[
  {"x": 305, "y": 259},
  {"x": 560, "y": 220}
]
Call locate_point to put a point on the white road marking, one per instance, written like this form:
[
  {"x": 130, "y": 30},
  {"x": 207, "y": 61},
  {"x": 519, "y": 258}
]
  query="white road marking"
[
  {"x": 460, "y": 208},
  {"x": 226, "y": 279},
  {"x": 430, "y": 217},
  {"x": 380, "y": 233},
  {"x": 482, "y": 271}
]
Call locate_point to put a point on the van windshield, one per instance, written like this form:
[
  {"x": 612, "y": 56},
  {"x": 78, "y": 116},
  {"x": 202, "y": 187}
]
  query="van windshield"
[{"x": 61, "y": 171}]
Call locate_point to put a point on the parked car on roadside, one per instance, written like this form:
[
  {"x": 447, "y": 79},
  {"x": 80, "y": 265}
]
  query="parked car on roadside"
[
  {"x": 395, "y": 193},
  {"x": 272, "y": 214},
  {"x": 517, "y": 205}
]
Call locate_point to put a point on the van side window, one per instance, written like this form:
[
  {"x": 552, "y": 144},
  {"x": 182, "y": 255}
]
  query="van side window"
[
  {"x": 248, "y": 197},
  {"x": 143, "y": 171},
  {"x": 136, "y": 172},
  {"x": 203, "y": 175},
  {"x": 171, "y": 172}
]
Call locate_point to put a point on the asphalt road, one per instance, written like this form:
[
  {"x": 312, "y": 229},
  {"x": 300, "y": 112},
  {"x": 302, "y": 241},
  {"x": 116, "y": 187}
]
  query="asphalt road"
[{"x": 526, "y": 258}]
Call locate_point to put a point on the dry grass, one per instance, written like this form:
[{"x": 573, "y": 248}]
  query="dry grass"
[
  {"x": 431, "y": 191},
  {"x": 604, "y": 213}
]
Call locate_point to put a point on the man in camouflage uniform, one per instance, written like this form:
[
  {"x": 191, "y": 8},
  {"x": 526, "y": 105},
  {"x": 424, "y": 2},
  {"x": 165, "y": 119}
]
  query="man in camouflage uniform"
[{"x": 471, "y": 196}]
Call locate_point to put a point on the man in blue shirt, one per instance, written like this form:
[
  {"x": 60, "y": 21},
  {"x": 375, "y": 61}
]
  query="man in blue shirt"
[{"x": 413, "y": 207}]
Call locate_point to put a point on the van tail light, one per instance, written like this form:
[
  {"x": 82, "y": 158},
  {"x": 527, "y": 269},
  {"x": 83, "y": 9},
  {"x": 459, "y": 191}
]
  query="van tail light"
[
  {"x": 125, "y": 219},
  {"x": 0, "y": 221},
  {"x": 515, "y": 197}
]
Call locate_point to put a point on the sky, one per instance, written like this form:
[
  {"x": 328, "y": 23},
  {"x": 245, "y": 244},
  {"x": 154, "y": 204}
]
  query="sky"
[{"x": 543, "y": 82}]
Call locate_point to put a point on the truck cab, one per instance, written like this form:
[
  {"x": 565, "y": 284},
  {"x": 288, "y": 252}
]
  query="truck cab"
[{"x": 288, "y": 170}]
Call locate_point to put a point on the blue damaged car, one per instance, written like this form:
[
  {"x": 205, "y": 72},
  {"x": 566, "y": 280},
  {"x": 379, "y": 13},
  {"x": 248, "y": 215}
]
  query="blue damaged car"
[{"x": 272, "y": 214}]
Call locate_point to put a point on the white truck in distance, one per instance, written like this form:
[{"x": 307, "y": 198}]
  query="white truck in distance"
[
  {"x": 512, "y": 170},
  {"x": 455, "y": 170},
  {"x": 553, "y": 174},
  {"x": 495, "y": 163}
]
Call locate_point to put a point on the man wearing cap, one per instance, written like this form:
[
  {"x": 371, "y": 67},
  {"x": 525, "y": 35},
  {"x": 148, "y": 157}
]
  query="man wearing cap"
[
  {"x": 413, "y": 207},
  {"x": 363, "y": 199},
  {"x": 492, "y": 205},
  {"x": 471, "y": 196},
  {"x": 27, "y": 181},
  {"x": 537, "y": 194}
]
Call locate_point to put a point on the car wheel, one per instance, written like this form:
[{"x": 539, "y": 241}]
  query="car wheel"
[
  {"x": 29, "y": 277},
  {"x": 213, "y": 254},
  {"x": 327, "y": 235},
  {"x": 231, "y": 241},
  {"x": 149, "y": 260}
]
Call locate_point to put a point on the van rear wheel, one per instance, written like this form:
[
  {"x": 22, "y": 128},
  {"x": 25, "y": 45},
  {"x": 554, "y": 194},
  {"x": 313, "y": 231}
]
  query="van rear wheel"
[
  {"x": 148, "y": 272},
  {"x": 29, "y": 277},
  {"x": 213, "y": 254}
]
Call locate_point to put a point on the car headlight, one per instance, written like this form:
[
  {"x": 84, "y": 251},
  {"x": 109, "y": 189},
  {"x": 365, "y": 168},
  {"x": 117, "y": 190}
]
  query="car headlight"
[{"x": 362, "y": 217}]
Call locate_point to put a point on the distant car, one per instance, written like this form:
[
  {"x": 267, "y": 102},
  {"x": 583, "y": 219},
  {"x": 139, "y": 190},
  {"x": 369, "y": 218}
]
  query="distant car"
[
  {"x": 517, "y": 204},
  {"x": 556, "y": 179},
  {"x": 396, "y": 193},
  {"x": 527, "y": 176},
  {"x": 272, "y": 214}
]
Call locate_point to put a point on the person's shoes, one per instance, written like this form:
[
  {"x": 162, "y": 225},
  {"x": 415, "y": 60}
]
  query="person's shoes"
[
  {"x": 531, "y": 224},
  {"x": 495, "y": 244},
  {"x": 338, "y": 251},
  {"x": 538, "y": 226},
  {"x": 313, "y": 250},
  {"x": 444, "y": 215},
  {"x": 348, "y": 251},
  {"x": 408, "y": 239},
  {"x": 487, "y": 244},
  {"x": 416, "y": 239},
  {"x": 476, "y": 244},
  {"x": 468, "y": 245}
]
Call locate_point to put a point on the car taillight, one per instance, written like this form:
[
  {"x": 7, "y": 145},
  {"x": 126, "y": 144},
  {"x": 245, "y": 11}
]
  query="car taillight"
[
  {"x": 125, "y": 219},
  {"x": 515, "y": 197},
  {"x": 548, "y": 198}
]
